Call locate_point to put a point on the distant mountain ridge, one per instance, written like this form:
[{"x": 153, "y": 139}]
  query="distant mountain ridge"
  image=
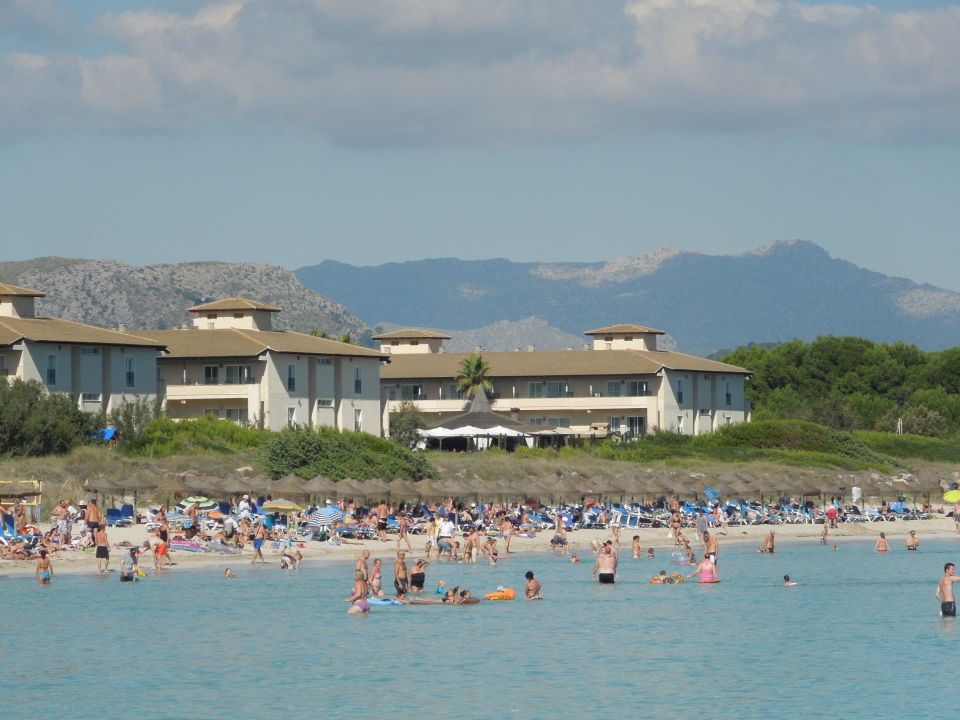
[
  {"x": 776, "y": 292},
  {"x": 109, "y": 293}
]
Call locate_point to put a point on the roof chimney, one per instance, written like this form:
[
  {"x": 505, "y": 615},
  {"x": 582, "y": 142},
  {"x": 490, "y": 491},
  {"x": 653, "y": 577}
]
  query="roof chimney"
[
  {"x": 121, "y": 327},
  {"x": 531, "y": 348},
  {"x": 478, "y": 348}
]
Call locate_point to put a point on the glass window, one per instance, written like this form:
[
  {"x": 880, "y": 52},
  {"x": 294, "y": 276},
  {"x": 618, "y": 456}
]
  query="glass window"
[
  {"x": 213, "y": 412},
  {"x": 239, "y": 374},
  {"x": 411, "y": 392},
  {"x": 613, "y": 423},
  {"x": 559, "y": 422},
  {"x": 91, "y": 397},
  {"x": 237, "y": 415},
  {"x": 131, "y": 366},
  {"x": 291, "y": 416},
  {"x": 535, "y": 421},
  {"x": 637, "y": 388},
  {"x": 728, "y": 394},
  {"x": 680, "y": 423},
  {"x": 535, "y": 389},
  {"x": 637, "y": 426},
  {"x": 89, "y": 350},
  {"x": 211, "y": 374},
  {"x": 613, "y": 388},
  {"x": 51, "y": 369},
  {"x": 455, "y": 393},
  {"x": 357, "y": 382},
  {"x": 291, "y": 378},
  {"x": 357, "y": 419},
  {"x": 325, "y": 361},
  {"x": 556, "y": 389},
  {"x": 679, "y": 391}
]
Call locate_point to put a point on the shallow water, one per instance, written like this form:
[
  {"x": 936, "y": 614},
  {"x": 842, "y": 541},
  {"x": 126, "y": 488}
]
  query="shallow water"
[{"x": 859, "y": 637}]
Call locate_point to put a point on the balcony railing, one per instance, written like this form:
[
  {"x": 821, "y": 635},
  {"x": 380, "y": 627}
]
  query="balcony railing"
[{"x": 227, "y": 381}]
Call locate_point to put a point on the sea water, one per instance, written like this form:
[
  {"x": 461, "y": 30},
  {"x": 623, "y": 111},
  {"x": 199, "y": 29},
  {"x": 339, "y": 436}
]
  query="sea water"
[{"x": 859, "y": 636}]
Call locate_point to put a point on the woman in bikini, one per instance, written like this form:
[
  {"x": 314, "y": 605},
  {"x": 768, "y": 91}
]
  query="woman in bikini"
[
  {"x": 44, "y": 569},
  {"x": 882, "y": 544},
  {"x": 706, "y": 570}
]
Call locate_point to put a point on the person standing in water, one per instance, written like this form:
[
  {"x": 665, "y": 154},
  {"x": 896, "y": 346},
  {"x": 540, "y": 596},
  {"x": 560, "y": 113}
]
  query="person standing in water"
[
  {"x": 44, "y": 569},
  {"x": 532, "y": 591},
  {"x": 944, "y": 593},
  {"x": 912, "y": 542},
  {"x": 707, "y": 571},
  {"x": 882, "y": 544},
  {"x": 605, "y": 568},
  {"x": 710, "y": 546}
]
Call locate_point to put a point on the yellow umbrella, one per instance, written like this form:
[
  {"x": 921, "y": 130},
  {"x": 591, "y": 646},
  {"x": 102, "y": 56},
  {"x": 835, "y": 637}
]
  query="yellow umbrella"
[{"x": 951, "y": 496}]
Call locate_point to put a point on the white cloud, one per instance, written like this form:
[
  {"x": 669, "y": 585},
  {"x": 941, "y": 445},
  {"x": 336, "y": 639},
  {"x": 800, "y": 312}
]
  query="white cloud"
[{"x": 383, "y": 71}]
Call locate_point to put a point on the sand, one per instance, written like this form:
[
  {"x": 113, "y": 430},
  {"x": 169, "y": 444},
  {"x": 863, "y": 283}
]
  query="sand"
[{"x": 79, "y": 561}]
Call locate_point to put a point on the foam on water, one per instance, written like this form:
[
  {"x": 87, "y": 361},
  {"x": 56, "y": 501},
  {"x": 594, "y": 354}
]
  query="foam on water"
[{"x": 858, "y": 637}]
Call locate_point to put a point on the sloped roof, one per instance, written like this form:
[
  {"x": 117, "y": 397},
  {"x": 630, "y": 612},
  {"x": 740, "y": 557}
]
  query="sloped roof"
[
  {"x": 234, "y": 303},
  {"x": 55, "y": 330},
  {"x": 250, "y": 343},
  {"x": 479, "y": 415},
  {"x": 415, "y": 333},
  {"x": 625, "y": 328},
  {"x": 8, "y": 289},
  {"x": 552, "y": 363}
]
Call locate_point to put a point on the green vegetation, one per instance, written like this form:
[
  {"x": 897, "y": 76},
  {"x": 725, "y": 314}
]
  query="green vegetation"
[
  {"x": 472, "y": 375},
  {"x": 910, "y": 447},
  {"x": 307, "y": 453},
  {"x": 163, "y": 437},
  {"x": 34, "y": 422},
  {"x": 404, "y": 424},
  {"x": 850, "y": 383}
]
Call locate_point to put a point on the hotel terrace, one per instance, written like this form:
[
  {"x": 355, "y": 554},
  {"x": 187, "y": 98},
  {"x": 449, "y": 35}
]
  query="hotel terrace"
[
  {"x": 624, "y": 385},
  {"x": 231, "y": 364}
]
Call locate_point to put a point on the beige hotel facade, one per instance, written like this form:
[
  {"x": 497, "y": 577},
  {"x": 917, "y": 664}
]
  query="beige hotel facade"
[{"x": 620, "y": 385}]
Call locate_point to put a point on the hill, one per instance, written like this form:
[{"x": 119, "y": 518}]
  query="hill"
[
  {"x": 111, "y": 293},
  {"x": 777, "y": 292}
]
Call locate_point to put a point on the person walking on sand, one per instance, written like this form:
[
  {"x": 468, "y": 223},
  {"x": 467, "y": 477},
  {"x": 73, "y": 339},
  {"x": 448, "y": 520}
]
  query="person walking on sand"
[
  {"x": 882, "y": 544},
  {"x": 532, "y": 590},
  {"x": 259, "y": 535},
  {"x": 61, "y": 515},
  {"x": 44, "y": 571},
  {"x": 944, "y": 593},
  {"x": 103, "y": 549},
  {"x": 912, "y": 542}
]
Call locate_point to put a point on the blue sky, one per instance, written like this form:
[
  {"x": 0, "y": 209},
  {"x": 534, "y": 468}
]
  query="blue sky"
[{"x": 554, "y": 130}]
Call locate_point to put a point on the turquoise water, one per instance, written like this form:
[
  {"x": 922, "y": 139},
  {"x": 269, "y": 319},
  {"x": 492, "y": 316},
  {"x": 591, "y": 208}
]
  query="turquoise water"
[{"x": 859, "y": 637}]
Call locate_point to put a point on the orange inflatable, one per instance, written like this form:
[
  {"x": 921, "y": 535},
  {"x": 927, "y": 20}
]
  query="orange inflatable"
[{"x": 505, "y": 594}]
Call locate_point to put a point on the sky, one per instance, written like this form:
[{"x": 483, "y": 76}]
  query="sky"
[{"x": 297, "y": 131}]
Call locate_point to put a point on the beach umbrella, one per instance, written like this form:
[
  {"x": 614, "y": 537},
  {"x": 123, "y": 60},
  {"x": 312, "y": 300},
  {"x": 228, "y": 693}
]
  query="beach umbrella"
[
  {"x": 281, "y": 506},
  {"x": 951, "y": 496},
  {"x": 349, "y": 488},
  {"x": 401, "y": 489},
  {"x": 204, "y": 503},
  {"x": 289, "y": 485},
  {"x": 325, "y": 516},
  {"x": 233, "y": 485},
  {"x": 376, "y": 487}
]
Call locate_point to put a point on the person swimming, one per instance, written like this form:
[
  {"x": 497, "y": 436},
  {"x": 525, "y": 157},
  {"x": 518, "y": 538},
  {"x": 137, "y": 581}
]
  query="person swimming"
[{"x": 787, "y": 582}]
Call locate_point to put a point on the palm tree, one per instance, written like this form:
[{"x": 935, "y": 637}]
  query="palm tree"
[{"x": 473, "y": 375}]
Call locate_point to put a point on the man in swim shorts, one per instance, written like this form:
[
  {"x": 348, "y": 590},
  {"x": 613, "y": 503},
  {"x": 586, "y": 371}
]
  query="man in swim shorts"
[
  {"x": 401, "y": 581},
  {"x": 604, "y": 569},
  {"x": 711, "y": 547},
  {"x": 259, "y": 535},
  {"x": 912, "y": 542},
  {"x": 944, "y": 593},
  {"x": 103, "y": 549}
]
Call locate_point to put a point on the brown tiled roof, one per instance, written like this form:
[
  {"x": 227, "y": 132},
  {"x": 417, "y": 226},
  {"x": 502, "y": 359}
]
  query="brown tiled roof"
[
  {"x": 552, "y": 363},
  {"x": 8, "y": 289},
  {"x": 415, "y": 333},
  {"x": 234, "y": 303},
  {"x": 250, "y": 343},
  {"x": 624, "y": 328},
  {"x": 55, "y": 330}
]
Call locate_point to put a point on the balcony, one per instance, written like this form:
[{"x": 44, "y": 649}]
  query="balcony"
[
  {"x": 212, "y": 391},
  {"x": 567, "y": 403},
  {"x": 190, "y": 381}
]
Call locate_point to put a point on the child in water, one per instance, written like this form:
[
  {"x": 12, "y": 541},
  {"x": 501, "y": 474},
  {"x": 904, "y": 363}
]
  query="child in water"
[{"x": 650, "y": 553}]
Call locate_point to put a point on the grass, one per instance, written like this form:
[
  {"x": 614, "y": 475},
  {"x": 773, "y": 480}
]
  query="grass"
[{"x": 911, "y": 447}]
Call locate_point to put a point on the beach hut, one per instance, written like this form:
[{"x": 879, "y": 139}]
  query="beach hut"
[{"x": 480, "y": 427}]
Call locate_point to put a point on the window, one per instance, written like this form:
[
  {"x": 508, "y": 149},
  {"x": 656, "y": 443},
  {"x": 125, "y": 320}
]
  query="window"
[
  {"x": 679, "y": 392},
  {"x": 535, "y": 421},
  {"x": 3, "y": 366},
  {"x": 613, "y": 388},
  {"x": 238, "y": 315},
  {"x": 414, "y": 342},
  {"x": 455, "y": 393},
  {"x": 704, "y": 411},
  {"x": 51, "y": 369},
  {"x": 637, "y": 426},
  {"x": 239, "y": 374},
  {"x": 211, "y": 374},
  {"x": 212, "y": 412},
  {"x": 357, "y": 382},
  {"x": 637, "y": 388},
  {"x": 91, "y": 397},
  {"x": 324, "y": 361},
  {"x": 89, "y": 350},
  {"x": 535, "y": 389},
  {"x": 556, "y": 389},
  {"x": 237, "y": 415},
  {"x": 131, "y": 367},
  {"x": 679, "y": 423},
  {"x": 291, "y": 378},
  {"x": 411, "y": 392},
  {"x": 613, "y": 423},
  {"x": 291, "y": 416},
  {"x": 324, "y": 402},
  {"x": 211, "y": 316},
  {"x": 559, "y": 422},
  {"x": 392, "y": 393},
  {"x": 357, "y": 419},
  {"x": 728, "y": 394},
  {"x": 159, "y": 374}
]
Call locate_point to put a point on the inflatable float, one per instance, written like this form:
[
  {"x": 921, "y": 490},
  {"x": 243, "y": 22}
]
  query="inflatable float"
[
  {"x": 383, "y": 601},
  {"x": 505, "y": 594},
  {"x": 675, "y": 579},
  {"x": 424, "y": 601}
]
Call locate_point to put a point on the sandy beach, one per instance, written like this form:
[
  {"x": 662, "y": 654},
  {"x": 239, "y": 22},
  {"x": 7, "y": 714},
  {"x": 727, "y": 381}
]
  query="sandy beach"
[{"x": 80, "y": 561}]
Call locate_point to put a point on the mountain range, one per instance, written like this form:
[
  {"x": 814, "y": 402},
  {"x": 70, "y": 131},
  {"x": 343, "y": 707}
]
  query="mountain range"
[{"x": 784, "y": 290}]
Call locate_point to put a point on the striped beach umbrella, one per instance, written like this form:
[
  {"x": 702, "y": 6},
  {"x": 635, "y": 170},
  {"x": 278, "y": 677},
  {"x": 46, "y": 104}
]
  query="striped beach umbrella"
[
  {"x": 281, "y": 506},
  {"x": 325, "y": 516},
  {"x": 204, "y": 503}
]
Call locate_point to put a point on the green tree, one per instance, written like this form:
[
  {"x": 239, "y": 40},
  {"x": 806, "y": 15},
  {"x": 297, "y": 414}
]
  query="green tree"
[
  {"x": 918, "y": 420},
  {"x": 472, "y": 375},
  {"x": 35, "y": 422},
  {"x": 131, "y": 419},
  {"x": 404, "y": 424}
]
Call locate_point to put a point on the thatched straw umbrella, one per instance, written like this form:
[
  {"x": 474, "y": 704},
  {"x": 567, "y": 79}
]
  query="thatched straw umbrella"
[
  {"x": 287, "y": 486},
  {"x": 318, "y": 486},
  {"x": 376, "y": 487}
]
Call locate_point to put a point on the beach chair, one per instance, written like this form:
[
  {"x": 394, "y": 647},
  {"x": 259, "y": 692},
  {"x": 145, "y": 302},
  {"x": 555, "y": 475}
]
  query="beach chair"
[
  {"x": 115, "y": 519},
  {"x": 127, "y": 513}
]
